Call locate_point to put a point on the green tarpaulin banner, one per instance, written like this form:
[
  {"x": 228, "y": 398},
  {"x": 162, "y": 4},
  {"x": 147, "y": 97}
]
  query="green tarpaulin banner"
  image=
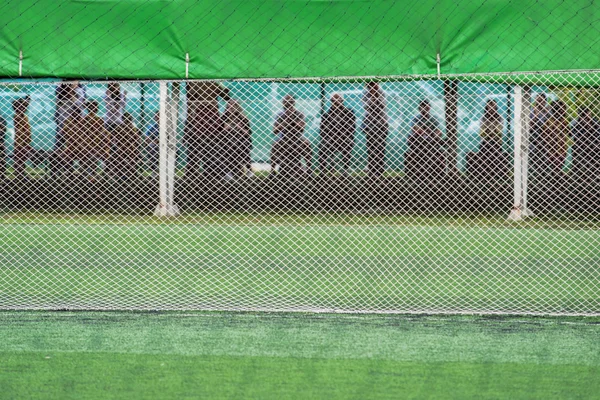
[{"x": 294, "y": 38}]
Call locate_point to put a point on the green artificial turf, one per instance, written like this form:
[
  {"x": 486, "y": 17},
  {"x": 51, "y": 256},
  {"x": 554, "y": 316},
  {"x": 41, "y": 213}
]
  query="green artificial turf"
[
  {"x": 315, "y": 262},
  {"x": 176, "y": 355}
]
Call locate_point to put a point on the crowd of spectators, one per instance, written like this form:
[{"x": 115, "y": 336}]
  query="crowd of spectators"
[{"x": 219, "y": 144}]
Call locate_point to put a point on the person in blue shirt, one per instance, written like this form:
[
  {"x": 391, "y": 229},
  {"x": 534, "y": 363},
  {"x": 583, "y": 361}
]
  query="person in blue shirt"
[{"x": 152, "y": 138}]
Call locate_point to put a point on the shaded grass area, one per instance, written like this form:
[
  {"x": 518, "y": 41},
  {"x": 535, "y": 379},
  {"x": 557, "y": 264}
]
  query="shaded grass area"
[
  {"x": 448, "y": 194},
  {"x": 244, "y": 261},
  {"x": 247, "y": 355},
  {"x": 357, "y": 218}
]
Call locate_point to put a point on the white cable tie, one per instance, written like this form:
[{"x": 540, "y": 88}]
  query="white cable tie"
[
  {"x": 187, "y": 65},
  {"x": 20, "y": 62}
]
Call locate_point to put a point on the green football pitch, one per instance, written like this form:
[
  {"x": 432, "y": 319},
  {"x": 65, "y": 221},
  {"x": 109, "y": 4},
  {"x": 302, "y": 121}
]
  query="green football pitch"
[
  {"x": 204, "y": 355},
  {"x": 339, "y": 262},
  {"x": 321, "y": 262}
]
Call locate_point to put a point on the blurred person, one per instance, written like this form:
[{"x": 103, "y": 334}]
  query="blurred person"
[
  {"x": 115, "y": 102},
  {"x": 424, "y": 156},
  {"x": 490, "y": 128},
  {"x": 22, "y": 139},
  {"x": 74, "y": 137},
  {"x": 96, "y": 146},
  {"x": 152, "y": 144},
  {"x": 3, "y": 154},
  {"x": 70, "y": 99},
  {"x": 491, "y": 159},
  {"x": 114, "y": 106},
  {"x": 586, "y": 147},
  {"x": 238, "y": 134},
  {"x": 337, "y": 128},
  {"x": 555, "y": 139},
  {"x": 375, "y": 127},
  {"x": 290, "y": 147},
  {"x": 538, "y": 117},
  {"x": 126, "y": 148},
  {"x": 203, "y": 132},
  {"x": 289, "y": 121},
  {"x": 540, "y": 111}
]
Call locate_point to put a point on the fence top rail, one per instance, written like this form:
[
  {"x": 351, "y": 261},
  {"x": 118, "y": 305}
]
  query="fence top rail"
[{"x": 564, "y": 78}]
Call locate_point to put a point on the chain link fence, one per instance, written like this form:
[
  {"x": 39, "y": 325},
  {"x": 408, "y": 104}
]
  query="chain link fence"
[{"x": 450, "y": 195}]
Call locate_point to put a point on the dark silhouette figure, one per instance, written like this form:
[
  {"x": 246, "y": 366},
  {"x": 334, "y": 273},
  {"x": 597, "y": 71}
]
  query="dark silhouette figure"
[
  {"x": 126, "y": 148},
  {"x": 204, "y": 129},
  {"x": 492, "y": 164},
  {"x": 22, "y": 142},
  {"x": 152, "y": 144},
  {"x": 96, "y": 146},
  {"x": 554, "y": 140},
  {"x": 70, "y": 104},
  {"x": 290, "y": 147},
  {"x": 539, "y": 116},
  {"x": 114, "y": 109},
  {"x": 586, "y": 148},
  {"x": 3, "y": 154},
  {"x": 74, "y": 138},
  {"x": 337, "y": 134},
  {"x": 238, "y": 140},
  {"x": 375, "y": 127},
  {"x": 425, "y": 158}
]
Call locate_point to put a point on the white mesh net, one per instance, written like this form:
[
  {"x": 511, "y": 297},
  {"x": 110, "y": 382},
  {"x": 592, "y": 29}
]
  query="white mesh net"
[{"x": 365, "y": 195}]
